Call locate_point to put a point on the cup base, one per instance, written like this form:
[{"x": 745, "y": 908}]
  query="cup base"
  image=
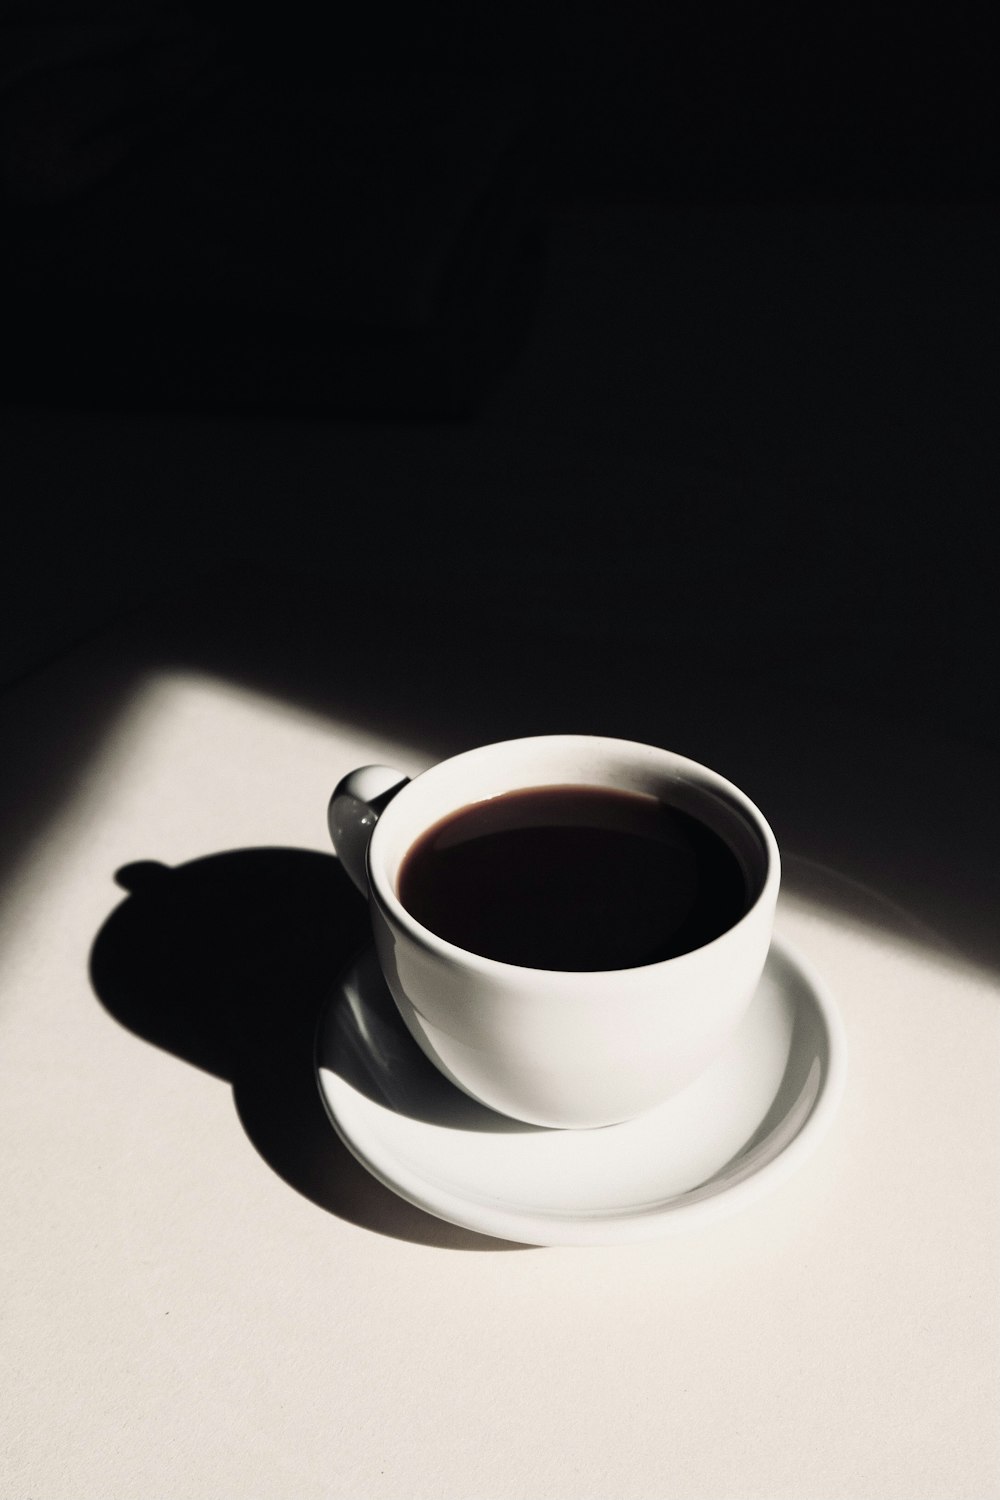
[{"x": 737, "y": 1131}]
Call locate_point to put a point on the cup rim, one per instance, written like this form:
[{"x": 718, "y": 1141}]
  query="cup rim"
[{"x": 385, "y": 896}]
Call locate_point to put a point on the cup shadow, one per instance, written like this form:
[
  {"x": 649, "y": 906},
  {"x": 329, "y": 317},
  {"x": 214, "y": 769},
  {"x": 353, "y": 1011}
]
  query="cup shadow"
[
  {"x": 362, "y": 1038},
  {"x": 228, "y": 962}
]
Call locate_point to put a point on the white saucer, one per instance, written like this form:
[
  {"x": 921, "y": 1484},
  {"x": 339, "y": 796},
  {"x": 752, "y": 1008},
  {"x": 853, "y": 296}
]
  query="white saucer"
[{"x": 732, "y": 1135}]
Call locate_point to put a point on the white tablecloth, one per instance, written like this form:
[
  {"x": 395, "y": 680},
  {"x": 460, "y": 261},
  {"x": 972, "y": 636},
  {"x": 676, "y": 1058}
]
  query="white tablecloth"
[{"x": 190, "y": 1310}]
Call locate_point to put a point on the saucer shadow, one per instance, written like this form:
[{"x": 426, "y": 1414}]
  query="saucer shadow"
[{"x": 228, "y": 962}]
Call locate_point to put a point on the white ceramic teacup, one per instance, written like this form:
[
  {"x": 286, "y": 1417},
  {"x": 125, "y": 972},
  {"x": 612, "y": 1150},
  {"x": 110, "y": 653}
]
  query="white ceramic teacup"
[{"x": 564, "y": 1049}]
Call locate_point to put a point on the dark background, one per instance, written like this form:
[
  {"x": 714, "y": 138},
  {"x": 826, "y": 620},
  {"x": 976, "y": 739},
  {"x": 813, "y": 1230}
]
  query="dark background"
[{"x": 631, "y": 370}]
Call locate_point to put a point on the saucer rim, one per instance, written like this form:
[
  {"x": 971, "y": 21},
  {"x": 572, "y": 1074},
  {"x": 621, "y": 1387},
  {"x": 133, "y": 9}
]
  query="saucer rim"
[{"x": 634, "y": 1223}]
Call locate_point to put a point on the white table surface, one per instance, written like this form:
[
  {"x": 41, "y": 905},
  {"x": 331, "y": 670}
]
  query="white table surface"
[{"x": 184, "y": 1317}]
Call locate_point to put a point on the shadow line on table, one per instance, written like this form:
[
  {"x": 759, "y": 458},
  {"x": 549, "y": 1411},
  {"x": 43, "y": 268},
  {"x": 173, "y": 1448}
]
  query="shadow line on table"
[{"x": 853, "y": 772}]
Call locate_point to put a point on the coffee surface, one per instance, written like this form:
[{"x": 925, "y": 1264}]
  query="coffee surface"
[{"x": 573, "y": 878}]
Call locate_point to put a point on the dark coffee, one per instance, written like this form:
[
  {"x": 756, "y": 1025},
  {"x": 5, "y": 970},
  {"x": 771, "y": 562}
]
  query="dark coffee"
[{"x": 574, "y": 877}]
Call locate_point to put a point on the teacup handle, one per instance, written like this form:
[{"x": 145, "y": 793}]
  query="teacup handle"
[{"x": 355, "y": 807}]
